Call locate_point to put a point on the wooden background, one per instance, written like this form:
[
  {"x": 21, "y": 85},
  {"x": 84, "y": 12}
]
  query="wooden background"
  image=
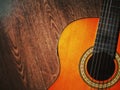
[{"x": 29, "y": 35}]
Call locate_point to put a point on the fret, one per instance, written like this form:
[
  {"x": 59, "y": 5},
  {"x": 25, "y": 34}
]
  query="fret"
[
  {"x": 106, "y": 41},
  {"x": 107, "y": 48},
  {"x": 108, "y": 24},
  {"x": 103, "y": 33},
  {"x": 105, "y": 45},
  {"x": 105, "y": 29},
  {"x": 107, "y": 20},
  {"x": 102, "y": 49}
]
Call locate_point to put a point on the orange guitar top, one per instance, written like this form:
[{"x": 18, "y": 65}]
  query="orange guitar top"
[{"x": 76, "y": 39}]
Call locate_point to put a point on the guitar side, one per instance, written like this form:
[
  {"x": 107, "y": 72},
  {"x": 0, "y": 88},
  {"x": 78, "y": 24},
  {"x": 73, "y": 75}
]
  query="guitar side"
[{"x": 76, "y": 38}]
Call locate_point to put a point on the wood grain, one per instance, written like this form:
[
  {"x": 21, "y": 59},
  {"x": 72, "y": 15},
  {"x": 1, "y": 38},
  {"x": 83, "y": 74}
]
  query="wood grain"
[{"x": 28, "y": 40}]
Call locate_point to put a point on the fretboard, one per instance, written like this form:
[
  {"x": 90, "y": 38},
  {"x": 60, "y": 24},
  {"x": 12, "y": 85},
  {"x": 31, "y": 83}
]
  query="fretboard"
[{"x": 108, "y": 28}]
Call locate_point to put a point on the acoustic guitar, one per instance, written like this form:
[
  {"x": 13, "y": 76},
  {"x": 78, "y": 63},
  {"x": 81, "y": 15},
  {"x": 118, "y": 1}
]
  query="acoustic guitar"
[{"x": 89, "y": 52}]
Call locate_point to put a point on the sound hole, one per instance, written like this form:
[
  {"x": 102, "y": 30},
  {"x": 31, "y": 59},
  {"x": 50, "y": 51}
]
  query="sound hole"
[{"x": 101, "y": 66}]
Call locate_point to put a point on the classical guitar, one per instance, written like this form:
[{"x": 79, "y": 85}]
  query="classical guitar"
[{"x": 89, "y": 52}]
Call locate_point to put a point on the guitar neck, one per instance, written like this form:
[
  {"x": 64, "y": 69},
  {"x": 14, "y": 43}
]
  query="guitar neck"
[{"x": 108, "y": 29}]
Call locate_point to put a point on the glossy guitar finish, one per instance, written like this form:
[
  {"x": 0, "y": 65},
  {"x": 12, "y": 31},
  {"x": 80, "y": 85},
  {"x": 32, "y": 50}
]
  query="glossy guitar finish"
[{"x": 76, "y": 38}]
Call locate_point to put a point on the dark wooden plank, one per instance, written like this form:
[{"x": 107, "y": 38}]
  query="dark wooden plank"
[{"x": 29, "y": 34}]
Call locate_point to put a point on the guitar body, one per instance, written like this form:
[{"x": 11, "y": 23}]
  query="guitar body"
[{"x": 76, "y": 39}]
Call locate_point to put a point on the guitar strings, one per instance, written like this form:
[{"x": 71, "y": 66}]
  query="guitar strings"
[
  {"x": 112, "y": 16},
  {"x": 111, "y": 36},
  {"x": 110, "y": 47},
  {"x": 100, "y": 25},
  {"x": 116, "y": 20},
  {"x": 104, "y": 26},
  {"x": 100, "y": 56},
  {"x": 96, "y": 42},
  {"x": 109, "y": 33}
]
